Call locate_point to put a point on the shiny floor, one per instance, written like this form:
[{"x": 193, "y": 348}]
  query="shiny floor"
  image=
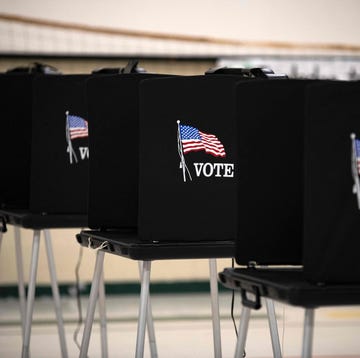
[{"x": 183, "y": 328}]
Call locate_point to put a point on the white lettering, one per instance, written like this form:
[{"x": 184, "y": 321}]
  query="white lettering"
[
  {"x": 84, "y": 152},
  {"x": 217, "y": 167},
  {"x": 229, "y": 170},
  {"x": 198, "y": 167},
  {"x": 210, "y": 173},
  {"x": 218, "y": 170}
]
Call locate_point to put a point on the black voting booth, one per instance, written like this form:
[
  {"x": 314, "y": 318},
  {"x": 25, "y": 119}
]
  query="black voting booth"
[
  {"x": 328, "y": 223},
  {"x": 46, "y": 175},
  {"x": 115, "y": 179},
  {"x": 121, "y": 232},
  {"x": 41, "y": 180},
  {"x": 269, "y": 185}
]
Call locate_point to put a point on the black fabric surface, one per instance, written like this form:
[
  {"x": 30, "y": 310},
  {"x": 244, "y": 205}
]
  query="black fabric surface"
[
  {"x": 203, "y": 208},
  {"x": 332, "y": 216},
  {"x": 56, "y": 185},
  {"x": 270, "y": 121},
  {"x": 113, "y": 106},
  {"x": 15, "y": 143}
]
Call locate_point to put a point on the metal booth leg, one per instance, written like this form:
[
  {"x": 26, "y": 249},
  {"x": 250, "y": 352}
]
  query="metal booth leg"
[
  {"x": 150, "y": 324},
  {"x": 92, "y": 303},
  {"x": 215, "y": 308},
  {"x": 273, "y": 328},
  {"x": 144, "y": 302},
  {"x": 243, "y": 330},
  {"x": 308, "y": 333},
  {"x": 55, "y": 293},
  {"x": 20, "y": 271},
  {"x": 31, "y": 294},
  {"x": 20, "y": 275},
  {"x": 151, "y": 330},
  {"x": 102, "y": 315}
]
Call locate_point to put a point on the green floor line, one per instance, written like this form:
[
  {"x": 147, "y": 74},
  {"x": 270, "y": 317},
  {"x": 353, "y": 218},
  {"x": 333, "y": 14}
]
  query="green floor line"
[
  {"x": 130, "y": 319},
  {"x": 117, "y": 288}
]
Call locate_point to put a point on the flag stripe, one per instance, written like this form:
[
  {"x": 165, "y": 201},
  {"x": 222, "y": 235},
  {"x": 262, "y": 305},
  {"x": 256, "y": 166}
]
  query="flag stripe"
[{"x": 78, "y": 134}]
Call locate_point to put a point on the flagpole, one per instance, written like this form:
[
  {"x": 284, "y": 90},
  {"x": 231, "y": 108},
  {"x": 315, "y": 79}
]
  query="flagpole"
[
  {"x": 67, "y": 135},
  {"x": 355, "y": 169},
  {"x": 70, "y": 148},
  {"x": 181, "y": 154}
]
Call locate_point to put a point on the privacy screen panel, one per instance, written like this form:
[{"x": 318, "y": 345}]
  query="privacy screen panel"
[
  {"x": 113, "y": 106},
  {"x": 332, "y": 205},
  {"x": 270, "y": 122},
  {"x": 187, "y": 158},
  {"x": 60, "y": 153}
]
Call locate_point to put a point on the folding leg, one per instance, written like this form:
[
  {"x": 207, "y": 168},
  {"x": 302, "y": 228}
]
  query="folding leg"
[
  {"x": 243, "y": 330},
  {"x": 144, "y": 303},
  {"x": 215, "y": 308},
  {"x": 151, "y": 330},
  {"x": 150, "y": 324},
  {"x": 102, "y": 315},
  {"x": 20, "y": 275},
  {"x": 31, "y": 294},
  {"x": 308, "y": 333},
  {"x": 55, "y": 293},
  {"x": 92, "y": 303},
  {"x": 273, "y": 328}
]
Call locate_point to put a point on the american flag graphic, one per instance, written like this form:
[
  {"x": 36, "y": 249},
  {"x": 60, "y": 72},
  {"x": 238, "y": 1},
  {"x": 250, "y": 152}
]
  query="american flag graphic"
[
  {"x": 78, "y": 127},
  {"x": 194, "y": 140},
  {"x": 357, "y": 153}
]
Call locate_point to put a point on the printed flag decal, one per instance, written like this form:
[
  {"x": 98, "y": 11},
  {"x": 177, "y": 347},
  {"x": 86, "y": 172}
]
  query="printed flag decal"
[
  {"x": 355, "y": 165},
  {"x": 191, "y": 139},
  {"x": 76, "y": 127}
]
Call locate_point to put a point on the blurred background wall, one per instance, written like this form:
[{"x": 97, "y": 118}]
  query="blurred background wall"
[{"x": 308, "y": 38}]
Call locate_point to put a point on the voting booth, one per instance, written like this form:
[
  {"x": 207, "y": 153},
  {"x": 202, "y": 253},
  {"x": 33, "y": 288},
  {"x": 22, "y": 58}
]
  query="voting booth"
[
  {"x": 45, "y": 173},
  {"x": 46, "y": 143},
  {"x": 326, "y": 203}
]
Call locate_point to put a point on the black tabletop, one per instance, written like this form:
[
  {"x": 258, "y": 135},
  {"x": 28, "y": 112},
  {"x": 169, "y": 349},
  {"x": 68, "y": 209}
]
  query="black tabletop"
[
  {"x": 128, "y": 244},
  {"x": 290, "y": 286},
  {"x": 39, "y": 221}
]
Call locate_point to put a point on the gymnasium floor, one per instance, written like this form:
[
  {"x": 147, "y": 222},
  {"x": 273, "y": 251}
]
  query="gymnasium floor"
[{"x": 183, "y": 328}]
